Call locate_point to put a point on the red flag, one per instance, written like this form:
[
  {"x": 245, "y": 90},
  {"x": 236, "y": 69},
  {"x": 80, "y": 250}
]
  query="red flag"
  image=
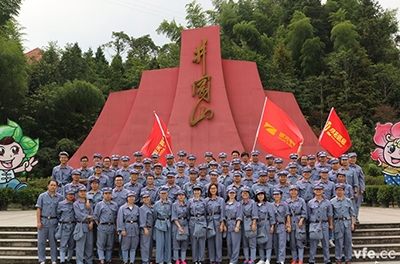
[
  {"x": 277, "y": 133},
  {"x": 159, "y": 141},
  {"x": 334, "y": 138}
]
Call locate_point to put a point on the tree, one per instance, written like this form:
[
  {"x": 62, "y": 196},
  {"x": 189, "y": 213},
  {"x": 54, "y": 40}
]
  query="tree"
[
  {"x": 72, "y": 65},
  {"x": 171, "y": 30},
  {"x": 168, "y": 56},
  {"x": 13, "y": 78},
  {"x": 299, "y": 30},
  {"x": 46, "y": 71},
  {"x": 9, "y": 9},
  {"x": 195, "y": 17},
  {"x": 117, "y": 75},
  {"x": 378, "y": 31},
  {"x": 119, "y": 43},
  {"x": 76, "y": 108},
  {"x": 311, "y": 58}
]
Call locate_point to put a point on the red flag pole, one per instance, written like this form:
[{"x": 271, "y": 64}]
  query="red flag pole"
[
  {"x": 259, "y": 124},
  {"x": 162, "y": 131}
]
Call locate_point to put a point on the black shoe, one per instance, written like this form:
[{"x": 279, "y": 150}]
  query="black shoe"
[{"x": 311, "y": 263}]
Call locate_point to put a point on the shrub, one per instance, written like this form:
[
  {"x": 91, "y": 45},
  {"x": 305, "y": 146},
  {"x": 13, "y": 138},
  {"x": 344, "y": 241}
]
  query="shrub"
[
  {"x": 385, "y": 193},
  {"x": 374, "y": 180},
  {"x": 371, "y": 193},
  {"x": 396, "y": 193},
  {"x": 6, "y": 196},
  {"x": 28, "y": 196},
  {"x": 373, "y": 170},
  {"x": 40, "y": 183}
]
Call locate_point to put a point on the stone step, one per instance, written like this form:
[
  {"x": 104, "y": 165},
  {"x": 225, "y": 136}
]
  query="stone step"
[
  {"x": 377, "y": 226},
  {"x": 18, "y": 228},
  {"x": 358, "y": 227},
  {"x": 117, "y": 260},
  {"x": 376, "y": 240},
  {"x": 18, "y": 235},
  {"x": 377, "y": 232}
]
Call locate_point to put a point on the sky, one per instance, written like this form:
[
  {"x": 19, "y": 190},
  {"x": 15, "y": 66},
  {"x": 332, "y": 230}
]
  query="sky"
[{"x": 90, "y": 23}]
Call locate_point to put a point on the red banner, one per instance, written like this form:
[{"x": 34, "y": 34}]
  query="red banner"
[
  {"x": 159, "y": 141},
  {"x": 335, "y": 138},
  {"x": 277, "y": 133}
]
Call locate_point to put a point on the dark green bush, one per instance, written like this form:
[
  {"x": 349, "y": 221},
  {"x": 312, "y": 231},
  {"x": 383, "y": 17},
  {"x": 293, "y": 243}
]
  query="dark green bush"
[
  {"x": 373, "y": 170},
  {"x": 396, "y": 193},
  {"x": 374, "y": 180},
  {"x": 371, "y": 193},
  {"x": 385, "y": 193},
  {"x": 6, "y": 196},
  {"x": 28, "y": 196},
  {"x": 40, "y": 183}
]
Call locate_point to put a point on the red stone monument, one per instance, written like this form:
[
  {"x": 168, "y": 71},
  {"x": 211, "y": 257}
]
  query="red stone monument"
[{"x": 208, "y": 104}]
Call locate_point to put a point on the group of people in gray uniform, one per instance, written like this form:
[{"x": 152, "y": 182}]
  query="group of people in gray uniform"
[{"x": 255, "y": 207}]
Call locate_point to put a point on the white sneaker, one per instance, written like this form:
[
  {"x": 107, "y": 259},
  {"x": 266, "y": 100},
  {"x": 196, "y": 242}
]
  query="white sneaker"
[
  {"x": 267, "y": 262},
  {"x": 261, "y": 262},
  {"x": 319, "y": 244},
  {"x": 331, "y": 244}
]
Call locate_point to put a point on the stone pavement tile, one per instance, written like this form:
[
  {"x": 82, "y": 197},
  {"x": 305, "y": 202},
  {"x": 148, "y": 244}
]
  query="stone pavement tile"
[
  {"x": 18, "y": 218},
  {"x": 369, "y": 215}
]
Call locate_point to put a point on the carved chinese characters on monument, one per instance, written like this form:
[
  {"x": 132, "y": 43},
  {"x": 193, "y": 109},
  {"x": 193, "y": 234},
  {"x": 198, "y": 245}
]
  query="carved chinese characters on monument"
[{"x": 201, "y": 88}]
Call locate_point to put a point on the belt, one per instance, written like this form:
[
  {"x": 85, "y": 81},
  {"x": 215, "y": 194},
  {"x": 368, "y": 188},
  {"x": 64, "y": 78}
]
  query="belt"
[
  {"x": 131, "y": 221},
  {"x": 197, "y": 215},
  {"x": 341, "y": 218},
  {"x": 182, "y": 218},
  {"x": 149, "y": 226},
  {"x": 262, "y": 219},
  {"x": 69, "y": 222},
  {"x": 322, "y": 221},
  {"x": 83, "y": 222},
  {"x": 48, "y": 217},
  {"x": 280, "y": 223},
  {"x": 107, "y": 223},
  {"x": 162, "y": 218},
  {"x": 213, "y": 213},
  {"x": 232, "y": 218},
  {"x": 248, "y": 216},
  {"x": 296, "y": 214}
]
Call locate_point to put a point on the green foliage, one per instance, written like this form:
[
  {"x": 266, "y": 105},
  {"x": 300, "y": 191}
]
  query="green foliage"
[
  {"x": 370, "y": 180},
  {"x": 13, "y": 78},
  {"x": 6, "y": 196},
  {"x": 396, "y": 194},
  {"x": 39, "y": 183},
  {"x": 28, "y": 196},
  {"x": 373, "y": 170},
  {"x": 385, "y": 193},
  {"x": 371, "y": 193},
  {"x": 9, "y": 9},
  {"x": 66, "y": 144},
  {"x": 47, "y": 158}
]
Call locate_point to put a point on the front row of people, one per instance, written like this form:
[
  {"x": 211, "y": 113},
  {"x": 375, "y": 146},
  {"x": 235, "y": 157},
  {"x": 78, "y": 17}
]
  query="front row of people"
[{"x": 253, "y": 225}]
